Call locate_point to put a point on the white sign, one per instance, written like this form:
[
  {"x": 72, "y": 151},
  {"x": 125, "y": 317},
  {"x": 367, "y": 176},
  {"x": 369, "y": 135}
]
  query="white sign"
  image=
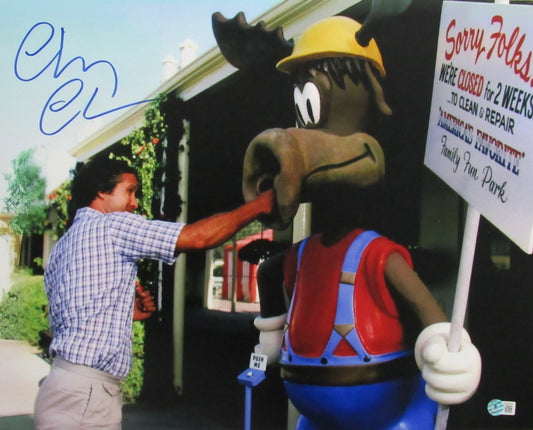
[
  {"x": 480, "y": 137},
  {"x": 258, "y": 362}
]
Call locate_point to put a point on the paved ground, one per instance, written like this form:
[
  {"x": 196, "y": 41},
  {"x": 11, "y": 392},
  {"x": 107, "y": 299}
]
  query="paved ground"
[{"x": 21, "y": 369}]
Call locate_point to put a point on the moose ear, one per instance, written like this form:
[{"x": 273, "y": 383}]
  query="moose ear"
[
  {"x": 379, "y": 97},
  {"x": 249, "y": 47},
  {"x": 379, "y": 10}
]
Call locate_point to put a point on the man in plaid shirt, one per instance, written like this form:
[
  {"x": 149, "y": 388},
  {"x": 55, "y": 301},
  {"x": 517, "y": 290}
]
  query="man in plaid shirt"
[{"x": 90, "y": 283}]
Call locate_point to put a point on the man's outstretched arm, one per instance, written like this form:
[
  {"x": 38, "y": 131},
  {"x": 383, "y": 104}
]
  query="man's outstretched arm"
[{"x": 216, "y": 229}]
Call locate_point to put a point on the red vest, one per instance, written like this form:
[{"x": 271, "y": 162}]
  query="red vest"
[{"x": 314, "y": 303}]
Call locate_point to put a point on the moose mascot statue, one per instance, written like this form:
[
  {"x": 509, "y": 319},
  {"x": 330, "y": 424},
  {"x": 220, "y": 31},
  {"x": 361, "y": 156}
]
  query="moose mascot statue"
[{"x": 345, "y": 340}]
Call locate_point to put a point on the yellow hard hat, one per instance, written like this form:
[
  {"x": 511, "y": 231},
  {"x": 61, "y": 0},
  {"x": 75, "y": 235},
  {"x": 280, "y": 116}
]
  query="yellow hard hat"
[{"x": 331, "y": 37}]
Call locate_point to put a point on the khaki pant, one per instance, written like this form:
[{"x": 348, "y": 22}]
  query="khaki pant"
[{"x": 78, "y": 397}]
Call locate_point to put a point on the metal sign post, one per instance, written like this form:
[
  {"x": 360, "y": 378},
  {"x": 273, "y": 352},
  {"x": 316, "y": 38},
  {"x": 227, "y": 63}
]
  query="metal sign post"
[{"x": 250, "y": 378}]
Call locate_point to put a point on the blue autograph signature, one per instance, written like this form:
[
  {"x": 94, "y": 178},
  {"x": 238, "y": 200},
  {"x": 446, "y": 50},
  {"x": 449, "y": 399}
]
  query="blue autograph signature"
[{"x": 71, "y": 98}]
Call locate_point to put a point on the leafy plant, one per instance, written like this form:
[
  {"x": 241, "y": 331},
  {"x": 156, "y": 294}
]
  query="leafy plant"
[
  {"x": 23, "y": 310},
  {"x": 133, "y": 383},
  {"x": 140, "y": 152},
  {"x": 25, "y": 195},
  {"x": 59, "y": 199}
]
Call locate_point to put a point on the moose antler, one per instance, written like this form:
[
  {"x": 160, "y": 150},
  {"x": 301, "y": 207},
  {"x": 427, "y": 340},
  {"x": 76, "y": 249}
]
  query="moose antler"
[
  {"x": 249, "y": 47},
  {"x": 379, "y": 11}
]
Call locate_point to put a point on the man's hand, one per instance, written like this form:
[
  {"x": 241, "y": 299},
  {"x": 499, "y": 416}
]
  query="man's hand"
[{"x": 144, "y": 305}]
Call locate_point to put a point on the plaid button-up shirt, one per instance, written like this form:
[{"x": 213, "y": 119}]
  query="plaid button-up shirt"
[{"x": 90, "y": 283}]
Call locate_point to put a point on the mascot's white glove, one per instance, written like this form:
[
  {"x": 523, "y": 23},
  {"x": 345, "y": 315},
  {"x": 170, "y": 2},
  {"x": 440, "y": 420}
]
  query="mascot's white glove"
[
  {"x": 270, "y": 336},
  {"x": 451, "y": 377}
]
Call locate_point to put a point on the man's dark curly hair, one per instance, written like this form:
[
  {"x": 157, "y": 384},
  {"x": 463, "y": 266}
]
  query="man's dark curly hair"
[{"x": 99, "y": 175}]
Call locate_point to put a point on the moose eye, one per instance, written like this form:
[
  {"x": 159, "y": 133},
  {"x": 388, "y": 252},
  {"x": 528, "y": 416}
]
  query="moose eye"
[{"x": 307, "y": 105}]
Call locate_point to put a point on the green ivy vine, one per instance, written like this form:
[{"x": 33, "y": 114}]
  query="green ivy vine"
[
  {"x": 59, "y": 199},
  {"x": 141, "y": 145}
]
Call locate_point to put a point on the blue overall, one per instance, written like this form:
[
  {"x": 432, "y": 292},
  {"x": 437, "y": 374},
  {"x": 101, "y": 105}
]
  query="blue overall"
[{"x": 390, "y": 404}]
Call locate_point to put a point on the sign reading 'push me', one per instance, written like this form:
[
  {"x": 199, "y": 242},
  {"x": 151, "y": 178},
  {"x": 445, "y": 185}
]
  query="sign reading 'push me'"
[{"x": 480, "y": 137}]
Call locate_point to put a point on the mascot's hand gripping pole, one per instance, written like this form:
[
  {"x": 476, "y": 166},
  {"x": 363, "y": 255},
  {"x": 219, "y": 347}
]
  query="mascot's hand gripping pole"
[{"x": 432, "y": 339}]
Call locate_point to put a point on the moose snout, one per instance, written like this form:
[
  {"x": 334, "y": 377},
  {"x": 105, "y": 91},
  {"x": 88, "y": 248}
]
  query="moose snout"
[
  {"x": 298, "y": 163},
  {"x": 273, "y": 160}
]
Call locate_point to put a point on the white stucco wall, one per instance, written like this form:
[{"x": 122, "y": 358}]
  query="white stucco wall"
[{"x": 7, "y": 257}]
